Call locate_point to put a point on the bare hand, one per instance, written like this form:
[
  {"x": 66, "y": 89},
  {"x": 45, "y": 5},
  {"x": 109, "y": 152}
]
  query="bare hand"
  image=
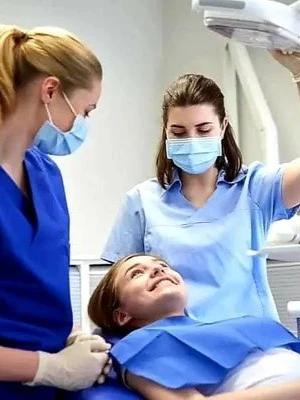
[{"x": 289, "y": 59}]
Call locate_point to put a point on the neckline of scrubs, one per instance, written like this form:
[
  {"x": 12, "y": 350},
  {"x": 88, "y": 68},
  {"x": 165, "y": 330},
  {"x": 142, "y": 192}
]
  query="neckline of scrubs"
[
  {"x": 205, "y": 205},
  {"x": 211, "y": 209},
  {"x": 178, "y": 187},
  {"x": 25, "y": 203}
]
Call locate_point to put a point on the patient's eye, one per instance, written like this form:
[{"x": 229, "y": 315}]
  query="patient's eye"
[{"x": 136, "y": 273}]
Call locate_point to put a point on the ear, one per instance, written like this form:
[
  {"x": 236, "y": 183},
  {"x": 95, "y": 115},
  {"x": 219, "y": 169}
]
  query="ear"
[
  {"x": 49, "y": 89},
  {"x": 121, "y": 317},
  {"x": 224, "y": 126}
]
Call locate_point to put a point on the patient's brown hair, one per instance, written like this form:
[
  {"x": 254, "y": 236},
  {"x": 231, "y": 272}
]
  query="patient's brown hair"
[{"x": 105, "y": 299}]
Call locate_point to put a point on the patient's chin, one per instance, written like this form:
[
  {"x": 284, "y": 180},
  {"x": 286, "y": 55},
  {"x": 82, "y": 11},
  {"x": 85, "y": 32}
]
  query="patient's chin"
[{"x": 169, "y": 295}]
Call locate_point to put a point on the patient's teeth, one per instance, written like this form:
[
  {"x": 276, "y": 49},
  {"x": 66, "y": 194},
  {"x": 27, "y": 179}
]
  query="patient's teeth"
[{"x": 162, "y": 282}]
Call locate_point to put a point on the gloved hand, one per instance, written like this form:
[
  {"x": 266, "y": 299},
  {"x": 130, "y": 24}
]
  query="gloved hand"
[
  {"x": 80, "y": 336},
  {"x": 290, "y": 60},
  {"x": 73, "y": 368}
]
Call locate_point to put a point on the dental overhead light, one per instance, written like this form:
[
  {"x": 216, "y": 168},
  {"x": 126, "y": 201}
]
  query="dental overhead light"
[{"x": 259, "y": 23}]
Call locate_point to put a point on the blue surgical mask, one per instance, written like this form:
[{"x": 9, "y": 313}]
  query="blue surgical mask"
[
  {"x": 194, "y": 155},
  {"x": 52, "y": 140}
]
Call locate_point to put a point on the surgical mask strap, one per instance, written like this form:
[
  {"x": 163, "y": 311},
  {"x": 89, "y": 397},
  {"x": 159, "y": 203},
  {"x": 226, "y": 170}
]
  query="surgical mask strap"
[
  {"x": 69, "y": 104},
  {"x": 48, "y": 113}
]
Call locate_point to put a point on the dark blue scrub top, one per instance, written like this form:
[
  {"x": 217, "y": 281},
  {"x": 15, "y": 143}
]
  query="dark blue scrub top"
[{"x": 35, "y": 308}]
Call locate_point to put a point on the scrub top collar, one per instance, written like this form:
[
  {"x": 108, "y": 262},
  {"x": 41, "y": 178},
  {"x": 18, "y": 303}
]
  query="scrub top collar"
[{"x": 176, "y": 182}]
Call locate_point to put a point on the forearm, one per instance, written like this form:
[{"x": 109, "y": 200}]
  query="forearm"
[
  {"x": 17, "y": 365},
  {"x": 153, "y": 391},
  {"x": 291, "y": 178},
  {"x": 291, "y": 184},
  {"x": 288, "y": 391}
]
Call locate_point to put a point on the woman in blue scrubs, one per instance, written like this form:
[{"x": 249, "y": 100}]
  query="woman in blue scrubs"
[
  {"x": 205, "y": 210},
  {"x": 49, "y": 83}
]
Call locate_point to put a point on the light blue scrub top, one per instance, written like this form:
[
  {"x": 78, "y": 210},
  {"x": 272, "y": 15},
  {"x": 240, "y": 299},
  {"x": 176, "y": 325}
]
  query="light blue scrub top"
[{"x": 208, "y": 245}]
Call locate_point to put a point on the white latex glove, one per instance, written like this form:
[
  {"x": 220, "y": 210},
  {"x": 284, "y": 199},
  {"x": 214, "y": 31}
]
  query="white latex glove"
[
  {"x": 80, "y": 336},
  {"x": 75, "y": 367}
]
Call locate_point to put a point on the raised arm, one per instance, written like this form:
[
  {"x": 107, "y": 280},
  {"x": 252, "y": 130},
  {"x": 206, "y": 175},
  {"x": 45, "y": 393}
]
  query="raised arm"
[{"x": 291, "y": 177}]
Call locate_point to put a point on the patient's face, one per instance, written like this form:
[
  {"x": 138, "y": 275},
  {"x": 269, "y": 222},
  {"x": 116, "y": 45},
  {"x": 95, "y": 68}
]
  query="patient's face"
[{"x": 149, "y": 290}]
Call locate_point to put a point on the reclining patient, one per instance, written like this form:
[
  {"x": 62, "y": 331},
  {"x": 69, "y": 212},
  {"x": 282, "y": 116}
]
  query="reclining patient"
[{"x": 164, "y": 354}]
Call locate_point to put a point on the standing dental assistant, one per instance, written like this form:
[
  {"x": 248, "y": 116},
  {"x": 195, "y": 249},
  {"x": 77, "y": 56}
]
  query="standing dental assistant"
[
  {"x": 205, "y": 210},
  {"x": 49, "y": 83}
]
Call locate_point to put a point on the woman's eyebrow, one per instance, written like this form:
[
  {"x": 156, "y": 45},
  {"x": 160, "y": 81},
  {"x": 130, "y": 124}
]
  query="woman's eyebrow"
[
  {"x": 132, "y": 267},
  {"x": 202, "y": 124},
  {"x": 176, "y": 126},
  {"x": 197, "y": 125}
]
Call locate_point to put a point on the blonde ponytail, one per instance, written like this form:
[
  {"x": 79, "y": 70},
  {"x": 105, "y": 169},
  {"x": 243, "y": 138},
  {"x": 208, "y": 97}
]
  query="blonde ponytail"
[
  {"x": 8, "y": 40},
  {"x": 49, "y": 51}
]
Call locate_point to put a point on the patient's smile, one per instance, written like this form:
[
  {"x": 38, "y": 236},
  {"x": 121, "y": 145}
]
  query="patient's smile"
[{"x": 163, "y": 281}]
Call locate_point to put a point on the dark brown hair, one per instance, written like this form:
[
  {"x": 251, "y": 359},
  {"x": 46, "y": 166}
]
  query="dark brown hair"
[{"x": 189, "y": 90}]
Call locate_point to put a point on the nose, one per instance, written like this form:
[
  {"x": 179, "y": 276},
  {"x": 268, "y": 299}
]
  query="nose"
[
  {"x": 157, "y": 270},
  {"x": 192, "y": 134}
]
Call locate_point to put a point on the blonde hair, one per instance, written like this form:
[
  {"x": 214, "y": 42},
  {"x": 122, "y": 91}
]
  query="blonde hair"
[{"x": 49, "y": 51}]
